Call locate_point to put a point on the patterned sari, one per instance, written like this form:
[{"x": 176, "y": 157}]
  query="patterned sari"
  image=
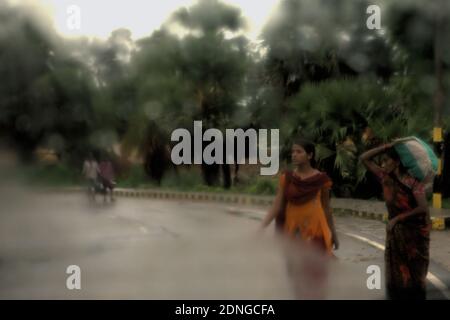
[{"x": 407, "y": 244}]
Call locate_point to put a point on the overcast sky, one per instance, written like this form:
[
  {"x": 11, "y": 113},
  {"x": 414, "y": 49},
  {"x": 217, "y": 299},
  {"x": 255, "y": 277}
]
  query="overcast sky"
[{"x": 142, "y": 17}]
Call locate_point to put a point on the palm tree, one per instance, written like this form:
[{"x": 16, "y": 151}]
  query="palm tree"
[{"x": 345, "y": 117}]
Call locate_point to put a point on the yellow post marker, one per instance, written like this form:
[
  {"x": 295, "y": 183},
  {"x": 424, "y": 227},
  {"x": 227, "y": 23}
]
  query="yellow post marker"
[
  {"x": 437, "y": 200},
  {"x": 438, "y": 223},
  {"x": 438, "y": 140},
  {"x": 437, "y": 135}
]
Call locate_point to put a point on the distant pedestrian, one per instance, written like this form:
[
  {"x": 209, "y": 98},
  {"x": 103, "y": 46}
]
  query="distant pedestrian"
[
  {"x": 408, "y": 231},
  {"x": 106, "y": 175},
  {"x": 90, "y": 173}
]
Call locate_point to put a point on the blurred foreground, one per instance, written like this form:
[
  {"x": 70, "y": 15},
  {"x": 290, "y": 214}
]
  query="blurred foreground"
[{"x": 147, "y": 249}]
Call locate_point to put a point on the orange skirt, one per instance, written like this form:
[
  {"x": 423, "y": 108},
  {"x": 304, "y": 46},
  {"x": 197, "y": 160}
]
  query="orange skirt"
[{"x": 307, "y": 221}]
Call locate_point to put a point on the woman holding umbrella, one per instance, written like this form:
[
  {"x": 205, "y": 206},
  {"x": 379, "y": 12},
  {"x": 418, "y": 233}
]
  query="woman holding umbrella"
[{"x": 408, "y": 229}]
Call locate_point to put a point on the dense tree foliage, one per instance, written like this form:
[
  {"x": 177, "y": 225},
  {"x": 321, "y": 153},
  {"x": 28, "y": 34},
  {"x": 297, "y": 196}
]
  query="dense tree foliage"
[{"x": 317, "y": 70}]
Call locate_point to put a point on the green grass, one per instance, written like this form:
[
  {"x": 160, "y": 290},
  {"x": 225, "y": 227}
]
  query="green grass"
[
  {"x": 135, "y": 178},
  {"x": 51, "y": 175},
  {"x": 60, "y": 175},
  {"x": 260, "y": 186},
  {"x": 191, "y": 180},
  {"x": 183, "y": 180}
]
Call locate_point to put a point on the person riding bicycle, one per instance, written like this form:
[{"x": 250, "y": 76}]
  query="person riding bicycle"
[
  {"x": 90, "y": 172},
  {"x": 106, "y": 177}
]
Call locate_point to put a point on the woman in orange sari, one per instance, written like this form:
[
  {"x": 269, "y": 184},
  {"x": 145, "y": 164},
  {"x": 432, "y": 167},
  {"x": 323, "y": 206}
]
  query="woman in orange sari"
[{"x": 302, "y": 208}]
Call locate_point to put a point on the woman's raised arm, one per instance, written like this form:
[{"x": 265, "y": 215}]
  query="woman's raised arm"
[{"x": 366, "y": 158}]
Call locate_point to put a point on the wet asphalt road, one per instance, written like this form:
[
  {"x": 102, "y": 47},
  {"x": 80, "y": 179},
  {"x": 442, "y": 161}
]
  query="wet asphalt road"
[{"x": 155, "y": 249}]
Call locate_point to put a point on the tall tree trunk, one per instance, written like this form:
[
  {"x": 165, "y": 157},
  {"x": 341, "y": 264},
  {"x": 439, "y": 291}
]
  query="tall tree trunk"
[
  {"x": 210, "y": 174},
  {"x": 226, "y": 174}
]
